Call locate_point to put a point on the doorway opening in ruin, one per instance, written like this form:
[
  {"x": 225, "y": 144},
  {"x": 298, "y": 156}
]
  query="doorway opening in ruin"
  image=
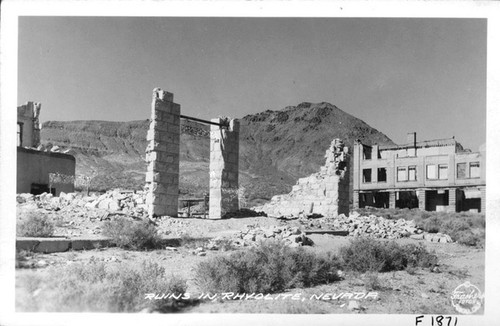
[
  {"x": 436, "y": 200},
  {"x": 378, "y": 199},
  {"x": 163, "y": 158},
  {"x": 194, "y": 201},
  {"x": 468, "y": 200},
  {"x": 406, "y": 199},
  {"x": 38, "y": 189}
]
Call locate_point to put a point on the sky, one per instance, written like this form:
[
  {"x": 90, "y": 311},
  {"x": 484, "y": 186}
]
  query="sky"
[{"x": 398, "y": 75}]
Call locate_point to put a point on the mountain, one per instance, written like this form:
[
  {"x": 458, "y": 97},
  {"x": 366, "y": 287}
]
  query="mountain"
[{"x": 276, "y": 148}]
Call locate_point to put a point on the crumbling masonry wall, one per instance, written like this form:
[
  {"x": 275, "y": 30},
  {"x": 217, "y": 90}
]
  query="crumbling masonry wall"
[
  {"x": 325, "y": 192},
  {"x": 162, "y": 155},
  {"x": 224, "y": 156},
  {"x": 28, "y": 121}
]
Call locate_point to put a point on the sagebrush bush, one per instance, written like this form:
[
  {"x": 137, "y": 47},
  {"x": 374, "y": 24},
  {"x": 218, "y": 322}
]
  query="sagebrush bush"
[
  {"x": 101, "y": 287},
  {"x": 372, "y": 282},
  {"x": 135, "y": 235},
  {"x": 370, "y": 255},
  {"x": 35, "y": 225},
  {"x": 269, "y": 267}
]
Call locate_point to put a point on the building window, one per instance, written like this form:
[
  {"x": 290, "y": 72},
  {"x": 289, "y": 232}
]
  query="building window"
[
  {"x": 431, "y": 171},
  {"x": 412, "y": 173},
  {"x": 474, "y": 170},
  {"x": 19, "y": 134},
  {"x": 402, "y": 175},
  {"x": 367, "y": 153},
  {"x": 461, "y": 168},
  {"x": 382, "y": 175},
  {"x": 443, "y": 171},
  {"x": 367, "y": 175}
]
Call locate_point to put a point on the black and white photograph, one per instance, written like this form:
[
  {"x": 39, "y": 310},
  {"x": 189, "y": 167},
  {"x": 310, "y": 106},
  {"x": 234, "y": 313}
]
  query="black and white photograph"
[{"x": 258, "y": 164}]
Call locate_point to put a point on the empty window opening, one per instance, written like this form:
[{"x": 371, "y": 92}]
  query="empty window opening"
[
  {"x": 382, "y": 175},
  {"x": 367, "y": 175},
  {"x": 431, "y": 172},
  {"x": 402, "y": 176},
  {"x": 475, "y": 171},
  {"x": 412, "y": 173},
  {"x": 443, "y": 171},
  {"x": 367, "y": 152}
]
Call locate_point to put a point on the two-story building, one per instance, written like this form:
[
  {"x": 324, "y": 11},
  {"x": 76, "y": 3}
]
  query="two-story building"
[{"x": 434, "y": 175}]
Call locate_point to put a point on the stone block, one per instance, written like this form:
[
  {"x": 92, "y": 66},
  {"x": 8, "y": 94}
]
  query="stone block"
[
  {"x": 50, "y": 245},
  {"x": 233, "y": 158},
  {"x": 89, "y": 244},
  {"x": 173, "y": 148},
  {"x": 175, "y": 109}
]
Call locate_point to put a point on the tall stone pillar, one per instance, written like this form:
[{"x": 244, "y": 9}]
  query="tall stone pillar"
[
  {"x": 483, "y": 199},
  {"x": 162, "y": 155},
  {"x": 224, "y": 166},
  {"x": 36, "y": 124},
  {"x": 452, "y": 200},
  {"x": 392, "y": 199},
  {"x": 355, "y": 200},
  {"x": 421, "y": 199}
]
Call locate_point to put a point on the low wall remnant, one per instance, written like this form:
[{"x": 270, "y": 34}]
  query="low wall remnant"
[{"x": 325, "y": 192}]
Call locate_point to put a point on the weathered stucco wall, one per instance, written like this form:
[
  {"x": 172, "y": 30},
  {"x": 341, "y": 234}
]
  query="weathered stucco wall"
[
  {"x": 325, "y": 192},
  {"x": 33, "y": 167}
]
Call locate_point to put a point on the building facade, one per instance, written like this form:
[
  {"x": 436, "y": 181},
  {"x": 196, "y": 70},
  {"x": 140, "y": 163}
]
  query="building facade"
[
  {"x": 40, "y": 171},
  {"x": 435, "y": 175}
]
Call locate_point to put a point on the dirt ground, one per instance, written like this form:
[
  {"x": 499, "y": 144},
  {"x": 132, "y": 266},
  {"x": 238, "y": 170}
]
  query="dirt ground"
[{"x": 402, "y": 292}]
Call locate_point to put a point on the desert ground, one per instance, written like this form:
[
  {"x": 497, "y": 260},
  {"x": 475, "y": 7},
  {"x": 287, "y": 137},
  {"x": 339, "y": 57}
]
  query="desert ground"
[{"x": 194, "y": 240}]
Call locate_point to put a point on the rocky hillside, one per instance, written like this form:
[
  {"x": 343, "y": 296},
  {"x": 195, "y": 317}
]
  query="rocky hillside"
[{"x": 276, "y": 148}]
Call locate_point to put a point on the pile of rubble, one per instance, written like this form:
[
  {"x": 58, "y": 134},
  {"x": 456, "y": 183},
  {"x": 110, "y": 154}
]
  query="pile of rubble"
[
  {"x": 253, "y": 235},
  {"x": 115, "y": 201},
  {"x": 374, "y": 227}
]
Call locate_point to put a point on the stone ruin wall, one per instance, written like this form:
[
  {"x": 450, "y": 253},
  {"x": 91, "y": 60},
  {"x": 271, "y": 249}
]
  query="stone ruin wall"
[
  {"x": 28, "y": 114},
  {"x": 325, "y": 192},
  {"x": 162, "y": 155},
  {"x": 224, "y": 166}
]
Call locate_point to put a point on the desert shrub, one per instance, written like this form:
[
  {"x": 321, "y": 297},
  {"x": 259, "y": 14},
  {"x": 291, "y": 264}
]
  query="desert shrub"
[
  {"x": 365, "y": 254},
  {"x": 469, "y": 238},
  {"x": 269, "y": 267},
  {"x": 372, "y": 282},
  {"x": 22, "y": 258},
  {"x": 432, "y": 224},
  {"x": 418, "y": 256},
  {"x": 98, "y": 286},
  {"x": 35, "y": 225},
  {"x": 135, "y": 235}
]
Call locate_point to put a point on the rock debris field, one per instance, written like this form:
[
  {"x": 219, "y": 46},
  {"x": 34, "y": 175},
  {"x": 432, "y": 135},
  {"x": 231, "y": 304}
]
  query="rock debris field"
[{"x": 77, "y": 215}]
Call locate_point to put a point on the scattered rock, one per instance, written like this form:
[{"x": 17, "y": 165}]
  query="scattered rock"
[{"x": 353, "y": 305}]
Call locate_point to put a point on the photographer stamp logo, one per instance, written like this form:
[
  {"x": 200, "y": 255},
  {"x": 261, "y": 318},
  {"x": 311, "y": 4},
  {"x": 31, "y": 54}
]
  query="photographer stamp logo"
[{"x": 467, "y": 298}]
